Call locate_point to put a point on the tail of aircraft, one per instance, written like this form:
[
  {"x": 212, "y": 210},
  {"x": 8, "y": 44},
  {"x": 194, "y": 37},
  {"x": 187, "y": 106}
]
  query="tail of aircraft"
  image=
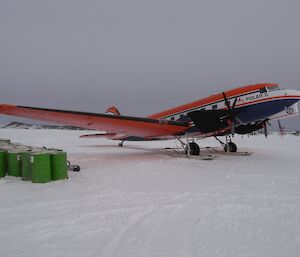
[{"x": 113, "y": 111}]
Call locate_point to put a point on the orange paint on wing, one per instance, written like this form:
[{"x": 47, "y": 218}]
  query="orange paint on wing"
[{"x": 114, "y": 124}]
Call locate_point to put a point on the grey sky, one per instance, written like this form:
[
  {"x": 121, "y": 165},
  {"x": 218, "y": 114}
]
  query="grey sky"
[{"x": 143, "y": 56}]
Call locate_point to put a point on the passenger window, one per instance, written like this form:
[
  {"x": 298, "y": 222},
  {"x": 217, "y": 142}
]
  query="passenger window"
[
  {"x": 202, "y": 109},
  {"x": 172, "y": 118}
]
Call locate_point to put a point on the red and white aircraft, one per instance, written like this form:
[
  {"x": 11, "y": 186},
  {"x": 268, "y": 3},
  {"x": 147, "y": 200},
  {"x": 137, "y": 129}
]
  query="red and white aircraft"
[{"x": 241, "y": 110}]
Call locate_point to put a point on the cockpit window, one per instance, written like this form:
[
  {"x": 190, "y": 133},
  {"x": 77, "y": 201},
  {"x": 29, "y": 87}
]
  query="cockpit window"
[
  {"x": 273, "y": 88},
  {"x": 262, "y": 90}
]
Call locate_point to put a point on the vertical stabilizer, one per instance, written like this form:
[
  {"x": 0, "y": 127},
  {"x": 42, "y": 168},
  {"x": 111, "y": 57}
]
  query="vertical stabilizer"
[{"x": 113, "y": 111}]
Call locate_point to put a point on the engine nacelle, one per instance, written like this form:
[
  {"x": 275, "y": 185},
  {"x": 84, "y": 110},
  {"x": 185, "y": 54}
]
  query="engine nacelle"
[{"x": 249, "y": 128}]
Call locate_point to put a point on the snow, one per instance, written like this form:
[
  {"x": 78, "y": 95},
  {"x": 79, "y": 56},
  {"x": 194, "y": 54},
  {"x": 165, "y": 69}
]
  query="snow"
[{"x": 138, "y": 201}]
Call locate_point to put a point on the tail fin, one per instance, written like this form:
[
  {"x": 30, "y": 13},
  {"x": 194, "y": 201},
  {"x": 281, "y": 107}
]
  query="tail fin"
[{"x": 113, "y": 111}]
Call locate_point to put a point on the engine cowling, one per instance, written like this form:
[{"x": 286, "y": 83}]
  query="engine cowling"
[{"x": 249, "y": 128}]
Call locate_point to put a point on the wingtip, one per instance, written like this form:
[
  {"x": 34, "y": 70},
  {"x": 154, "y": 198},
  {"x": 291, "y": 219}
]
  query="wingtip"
[{"x": 6, "y": 107}]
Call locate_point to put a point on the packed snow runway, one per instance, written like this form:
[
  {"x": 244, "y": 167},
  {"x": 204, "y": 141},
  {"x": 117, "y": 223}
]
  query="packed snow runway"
[{"x": 138, "y": 201}]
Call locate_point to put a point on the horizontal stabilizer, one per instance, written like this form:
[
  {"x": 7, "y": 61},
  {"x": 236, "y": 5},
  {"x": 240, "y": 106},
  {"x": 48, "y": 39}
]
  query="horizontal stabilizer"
[{"x": 113, "y": 111}]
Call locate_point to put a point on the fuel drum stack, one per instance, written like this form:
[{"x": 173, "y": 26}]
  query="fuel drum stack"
[
  {"x": 14, "y": 163},
  {"x": 59, "y": 167},
  {"x": 26, "y": 166},
  {"x": 2, "y": 163},
  {"x": 40, "y": 167}
]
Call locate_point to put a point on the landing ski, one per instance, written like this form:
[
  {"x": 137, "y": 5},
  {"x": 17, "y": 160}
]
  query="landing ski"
[
  {"x": 222, "y": 152},
  {"x": 174, "y": 152}
]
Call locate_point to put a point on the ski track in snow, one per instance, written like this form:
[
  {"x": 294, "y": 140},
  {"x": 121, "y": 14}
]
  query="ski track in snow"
[{"x": 138, "y": 201}]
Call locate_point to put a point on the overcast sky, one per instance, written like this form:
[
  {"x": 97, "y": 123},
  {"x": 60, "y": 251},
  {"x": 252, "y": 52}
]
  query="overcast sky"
[{"x": 143, "y": 56}]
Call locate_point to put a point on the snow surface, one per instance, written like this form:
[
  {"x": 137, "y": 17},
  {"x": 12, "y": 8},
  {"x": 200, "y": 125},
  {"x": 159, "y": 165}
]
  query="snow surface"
[{"x": 138, "y": 201}]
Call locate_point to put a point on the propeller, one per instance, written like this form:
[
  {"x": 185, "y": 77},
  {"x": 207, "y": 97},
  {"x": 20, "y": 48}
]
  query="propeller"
[
  {"x": 265, "y": 129},
  {"x": 231, "y": 112},
  {"x": 265, "y": 124},
  {"x": 230, "y": 108},
  {"x": 281, "y": 129}
]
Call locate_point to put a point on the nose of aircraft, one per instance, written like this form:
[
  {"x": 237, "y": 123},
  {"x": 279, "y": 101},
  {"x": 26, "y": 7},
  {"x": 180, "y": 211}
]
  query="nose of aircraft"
[
  {"x": 297, "y": 93},
  {"x": 294, "y": 94}
]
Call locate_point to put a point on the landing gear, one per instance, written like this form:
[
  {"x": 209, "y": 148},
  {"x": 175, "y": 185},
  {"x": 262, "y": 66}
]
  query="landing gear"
[
  {"x": 229, "y": 145},
  {"x": 193, "y": 149},
  {"x": 121, "y": 143},
  {"x": 190, "y": 148}
]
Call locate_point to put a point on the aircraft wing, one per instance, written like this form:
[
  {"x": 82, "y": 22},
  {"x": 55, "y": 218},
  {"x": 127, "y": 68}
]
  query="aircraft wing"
[{"x": 132, "y": 126}]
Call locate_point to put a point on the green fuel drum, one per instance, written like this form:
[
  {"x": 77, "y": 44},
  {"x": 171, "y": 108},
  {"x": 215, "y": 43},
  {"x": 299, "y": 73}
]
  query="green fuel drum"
[
  {"x": 14, "y": 164},
  {"x": 26, "y": 169},
  {"x": 2, "y": 163},
  {"x": 40, "y": 167},
  {"x": 59, "y": 165}
]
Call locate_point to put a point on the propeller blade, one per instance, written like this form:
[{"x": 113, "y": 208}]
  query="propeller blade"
[
  {"x": 231, "y": 112},
  {"x": 232, "y": 129},
  {"x": 226, "y": 102},
  {"x": 231, "y": 126},
  {"x": 265, "y": 129},
  {"x": 281, "y": 128},
  {"x": 279, "y": 125},
  {"x": 234, "y": 103}
]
